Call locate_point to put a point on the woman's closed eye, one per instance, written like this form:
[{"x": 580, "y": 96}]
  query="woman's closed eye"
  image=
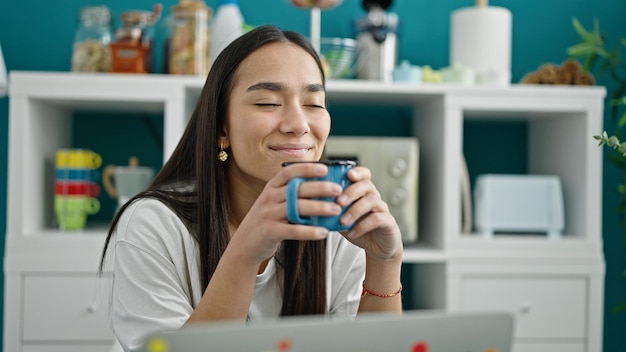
[{"x": 318, "y": 106}]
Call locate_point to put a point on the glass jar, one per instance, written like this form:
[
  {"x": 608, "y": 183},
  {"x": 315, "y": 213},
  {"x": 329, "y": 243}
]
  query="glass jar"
[
  {"x": 91, "y": 50},
  {"x": 132, "y": 51},
  {"x": 187, "y": 49}
]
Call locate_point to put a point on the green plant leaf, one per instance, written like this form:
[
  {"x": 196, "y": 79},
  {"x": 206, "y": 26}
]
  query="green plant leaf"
[
  {"x": 616, "y": 160},
  {"x": 619, "y": 308},
  {"x": 620, "y": 101},
  {"x": 613, "y": 57},
  {"x": 622, "y": 121},
  {"x": 597, "y": 36},
  {"x": 581, "y": 49},
  {"x": 584, "y": 34},
  {"x": 589, "y": 61}
]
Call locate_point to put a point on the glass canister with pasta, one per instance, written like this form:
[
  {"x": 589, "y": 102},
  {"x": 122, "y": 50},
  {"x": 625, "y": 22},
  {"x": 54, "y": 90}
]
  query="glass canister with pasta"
[{"x": 188, "y": 44}]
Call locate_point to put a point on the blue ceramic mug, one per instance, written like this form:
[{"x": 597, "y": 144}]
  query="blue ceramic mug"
[{"x": 338, "y": 173}]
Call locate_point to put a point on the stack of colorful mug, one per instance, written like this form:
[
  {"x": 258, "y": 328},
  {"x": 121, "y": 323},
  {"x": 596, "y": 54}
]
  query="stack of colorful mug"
[{"x": 76, "y": 187}]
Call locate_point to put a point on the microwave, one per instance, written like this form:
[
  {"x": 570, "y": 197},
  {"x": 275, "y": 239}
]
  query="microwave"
[{"x": 394, "y": 163}]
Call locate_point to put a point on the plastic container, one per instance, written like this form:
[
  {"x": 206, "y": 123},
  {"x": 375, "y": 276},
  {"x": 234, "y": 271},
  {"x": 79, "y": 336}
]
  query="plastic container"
[
  {"x": 227, "y": 26},
  {"x": 91, "y": 50},
  {"x": 188, "y": 45},
  {"x": 132, "y": 51},
  {"x": 405, "y": 72}
]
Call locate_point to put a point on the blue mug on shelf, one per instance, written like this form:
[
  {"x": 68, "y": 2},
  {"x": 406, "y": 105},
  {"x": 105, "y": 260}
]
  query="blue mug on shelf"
[
  {"x": 338, "y": 173},
  {"x": 68, "y": 174}
]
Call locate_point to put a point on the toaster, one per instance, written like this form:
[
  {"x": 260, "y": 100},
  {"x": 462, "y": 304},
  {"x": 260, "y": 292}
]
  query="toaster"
[{"x": 518, "y": 204}]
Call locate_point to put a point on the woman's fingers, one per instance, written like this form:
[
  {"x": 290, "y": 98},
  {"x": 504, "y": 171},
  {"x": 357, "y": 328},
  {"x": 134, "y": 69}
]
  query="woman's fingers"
[
  {"x": 319, "y": 189},
  {"x": 310, "y": 207},
  {"x": 304, "y": 170}
]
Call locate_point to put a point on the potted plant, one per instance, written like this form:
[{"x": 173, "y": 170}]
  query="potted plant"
[{"x": 606, "y": 64}]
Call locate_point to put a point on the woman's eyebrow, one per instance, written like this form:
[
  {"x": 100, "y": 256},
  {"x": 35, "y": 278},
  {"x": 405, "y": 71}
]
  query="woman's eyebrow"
[
  {"x": 276, "y": 87},
  {"x": 314, "y": 87},
  {"x": 273, "y": 86}
]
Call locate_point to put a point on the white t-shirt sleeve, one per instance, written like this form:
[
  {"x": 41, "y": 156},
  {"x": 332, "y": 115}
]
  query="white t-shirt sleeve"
[{"x": 151, "y": 294}]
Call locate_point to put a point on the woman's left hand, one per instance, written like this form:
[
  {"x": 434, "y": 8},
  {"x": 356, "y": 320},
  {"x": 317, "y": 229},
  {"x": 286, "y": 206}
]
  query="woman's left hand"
[{"x": 375, "y": 230}]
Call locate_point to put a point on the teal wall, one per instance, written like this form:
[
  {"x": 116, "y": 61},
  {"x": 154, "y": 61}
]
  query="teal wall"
[{"x": 37, "y": 35}]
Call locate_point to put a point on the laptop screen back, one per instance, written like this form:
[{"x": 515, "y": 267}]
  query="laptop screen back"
[{"x": 413, "y": 331}]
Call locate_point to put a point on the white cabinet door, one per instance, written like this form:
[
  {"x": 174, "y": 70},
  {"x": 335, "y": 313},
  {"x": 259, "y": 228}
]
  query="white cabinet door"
[
  {"x": 60, "y": 307},
  {"x": 549, "y": 307},
  {"x": 67, "y": 348},
  {"x": 549, "y": 347}
]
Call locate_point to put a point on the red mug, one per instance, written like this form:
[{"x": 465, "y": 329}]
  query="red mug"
[{"x": 77, "y": 188}]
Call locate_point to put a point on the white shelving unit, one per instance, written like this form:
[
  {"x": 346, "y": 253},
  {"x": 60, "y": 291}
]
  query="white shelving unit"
[{"x": 554, "y": 286}]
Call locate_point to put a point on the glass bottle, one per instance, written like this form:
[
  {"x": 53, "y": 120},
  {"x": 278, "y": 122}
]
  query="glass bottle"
[
  {"x": 91, "y": 51},
  {"x": 188, "y": 44},
  {"x": 132, "y": 50}
]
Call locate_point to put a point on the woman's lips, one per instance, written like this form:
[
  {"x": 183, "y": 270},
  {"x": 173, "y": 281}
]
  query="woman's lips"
[{"x": 292, "y": 149}]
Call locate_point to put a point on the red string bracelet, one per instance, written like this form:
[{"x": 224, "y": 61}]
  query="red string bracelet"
[{"x": 381, "y": 295}]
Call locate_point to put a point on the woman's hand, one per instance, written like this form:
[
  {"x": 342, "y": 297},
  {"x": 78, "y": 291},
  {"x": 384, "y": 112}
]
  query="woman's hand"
[
  {"x": 376, "y": 230},
  {"x": 266, "y": 225},
  {"x": 258, "y": 225}
]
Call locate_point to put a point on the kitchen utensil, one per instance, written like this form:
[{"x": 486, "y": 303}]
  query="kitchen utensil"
[
  {"x": 377, "y": 41},
  {"x": 123, "y": 182}
]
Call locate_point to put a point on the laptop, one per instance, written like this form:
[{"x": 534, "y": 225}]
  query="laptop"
[{"x": 413, "y": 331}]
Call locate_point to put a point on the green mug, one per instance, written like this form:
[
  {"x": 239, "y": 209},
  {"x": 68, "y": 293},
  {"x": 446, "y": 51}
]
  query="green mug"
[{"x": 71, "y": 211}]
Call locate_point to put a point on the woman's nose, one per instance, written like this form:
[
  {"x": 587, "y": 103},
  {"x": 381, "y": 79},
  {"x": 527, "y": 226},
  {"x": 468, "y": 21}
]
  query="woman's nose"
[{"x": 295, "y": 121}]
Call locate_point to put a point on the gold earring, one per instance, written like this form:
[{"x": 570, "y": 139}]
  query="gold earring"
[{"x": 222, "y": 155}]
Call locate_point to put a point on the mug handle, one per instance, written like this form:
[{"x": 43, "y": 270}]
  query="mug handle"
[
  {"x": 107, "y": 181},
  {"x": 92, "y": 205},
  {"x": 292, "y": 202},
  {"x": 93, "y": 190},
  {"x": 96, "y": 160}
]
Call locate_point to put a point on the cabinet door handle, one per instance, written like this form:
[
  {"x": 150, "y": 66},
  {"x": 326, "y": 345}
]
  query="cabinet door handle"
[
  {"x": 525, "y": 308},
  {"x": 92, "y": 308}
]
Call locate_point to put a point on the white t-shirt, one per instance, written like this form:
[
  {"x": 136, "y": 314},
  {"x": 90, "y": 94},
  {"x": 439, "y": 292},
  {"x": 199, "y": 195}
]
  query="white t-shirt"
[{"x": 157, "y": 284}]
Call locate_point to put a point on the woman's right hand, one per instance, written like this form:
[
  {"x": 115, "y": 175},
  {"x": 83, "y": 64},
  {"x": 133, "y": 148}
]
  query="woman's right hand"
[{"x": 266, "y": 225}]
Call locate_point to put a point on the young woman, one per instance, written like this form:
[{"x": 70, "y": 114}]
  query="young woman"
[{"x": 210, "y": 240}]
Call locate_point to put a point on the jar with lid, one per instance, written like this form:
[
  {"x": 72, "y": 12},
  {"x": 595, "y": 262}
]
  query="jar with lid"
[
  {"x": 91, "y": 50},
  {"x": 187, "y": 48},
  {"x": 132, "y": 51}
]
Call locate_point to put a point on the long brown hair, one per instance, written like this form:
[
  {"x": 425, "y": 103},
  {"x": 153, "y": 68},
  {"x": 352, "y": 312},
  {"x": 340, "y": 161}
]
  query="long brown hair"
[{"x": 194, "y": 184}]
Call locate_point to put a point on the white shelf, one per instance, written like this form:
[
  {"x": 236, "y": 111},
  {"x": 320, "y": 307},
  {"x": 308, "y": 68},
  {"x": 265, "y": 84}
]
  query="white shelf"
[
  {"x": 561, "y": 122},
  {"x": 42, "y": 103}
]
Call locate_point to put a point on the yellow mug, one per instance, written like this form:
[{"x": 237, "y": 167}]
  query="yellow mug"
[{"x": 78, "y": 158}]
